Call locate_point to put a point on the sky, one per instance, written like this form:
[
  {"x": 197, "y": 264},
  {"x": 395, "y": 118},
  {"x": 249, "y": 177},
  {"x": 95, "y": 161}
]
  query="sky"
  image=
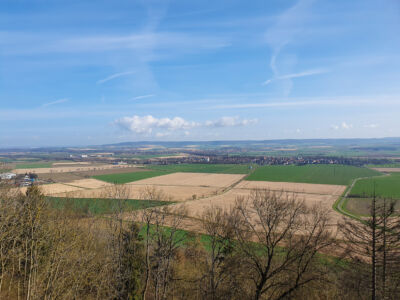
[{"x": 107, "y": 71}]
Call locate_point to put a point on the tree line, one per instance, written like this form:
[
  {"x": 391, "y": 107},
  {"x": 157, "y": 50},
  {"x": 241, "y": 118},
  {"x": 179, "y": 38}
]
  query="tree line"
[{"x": 269, "y": 245}]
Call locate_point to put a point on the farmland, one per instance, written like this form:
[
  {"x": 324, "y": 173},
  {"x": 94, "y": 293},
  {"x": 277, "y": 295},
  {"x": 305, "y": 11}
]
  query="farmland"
[
  {"x": 129, "y": 177},
  {"x": 362, "y": 206},
  {"x": 135, "y": 191},
  {"x": 33, "y": 165},
  {"x": 193, "y": 179},
  {"x": 69, "y": 168},
  {"x": 204, "y": 168},
  {"x": 320, "y": 174},
  {"x": 384, "y": 186},
  {"x": 99, "y": 206}
]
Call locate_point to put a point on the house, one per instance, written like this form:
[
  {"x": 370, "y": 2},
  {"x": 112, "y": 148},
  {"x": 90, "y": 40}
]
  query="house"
[{"x": 7, "y": 176}]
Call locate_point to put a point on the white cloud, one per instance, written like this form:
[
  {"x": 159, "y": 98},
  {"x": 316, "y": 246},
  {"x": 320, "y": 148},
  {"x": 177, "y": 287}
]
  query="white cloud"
[
  {"x": 164, "y": 126},
  {"x": 162, "y": 134},
  {"x": 335, "y": 127},
  {"x": 146, "y": 124},
  {"x": 344, "y": 126},
  {"x": 371, "y": 126},
  {"x": 230, "y": 122},
  {"x": 113, "y": 76},
  {"x": 142, "y": 97},
  {"x": 55, "y": 102}
]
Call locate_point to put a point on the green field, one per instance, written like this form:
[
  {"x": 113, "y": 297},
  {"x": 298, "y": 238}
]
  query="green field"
[
  {"x": 129, "y": 177},
  {"x": 204, "y": 168},
  {"x": 34, "y": 165},
  {"x": 323, "y": 174},
  {"x": 100, "y": 206},
  {"x": 385, "y": 186}
]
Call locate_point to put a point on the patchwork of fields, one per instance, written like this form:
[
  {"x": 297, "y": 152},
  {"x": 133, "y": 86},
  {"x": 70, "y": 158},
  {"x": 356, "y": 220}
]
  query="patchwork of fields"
[
  {"x": 321, "y": 174},
  {"x": 203, "y": 185},
  {"x": 100, "y": 206},
  {"x": 205, "y": 168},
  {"x": 383, "y": 187},
  {"x": 66, "y": 169},
  {"x": 128, "y": 177},
  {"x": 362, "y": 206}
]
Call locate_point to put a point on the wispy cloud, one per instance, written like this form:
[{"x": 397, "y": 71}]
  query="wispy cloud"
[
  {"x": 113, "y": 76},
  {"x": 316, "y": 102},
  {"x": 167, "y": 42},
  {"x": 55, "y": 102},
  {"x": 288, "y": 25},
  {"x": 143, "y": 97},
  {"x": 297, "y": 75}
]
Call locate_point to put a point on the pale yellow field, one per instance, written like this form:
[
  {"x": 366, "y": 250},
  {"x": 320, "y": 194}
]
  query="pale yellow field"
[
  {"x": 192, "y": 179},
  {"x": 308, "y": 188},
  {"x": 89, "y": 183},
  {"x": 72, "y": 163},
  {"x": 175, "y": 193},
  {"x": 387, "y": 170},
  {"x": 70, "y": 169},
  {"x": 227, "y": 200},
  {"x": 55, "y": 188}
]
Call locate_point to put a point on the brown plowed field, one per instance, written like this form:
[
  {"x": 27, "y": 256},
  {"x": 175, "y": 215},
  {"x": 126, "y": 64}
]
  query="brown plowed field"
[
  {"x": 227, "y": 200},
  {"x": 307, "y": 188},
  {"x": 192, "y": 179}
]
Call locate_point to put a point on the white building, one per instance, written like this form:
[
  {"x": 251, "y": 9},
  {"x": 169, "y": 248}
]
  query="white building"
[{"x": 7, "y": 176}]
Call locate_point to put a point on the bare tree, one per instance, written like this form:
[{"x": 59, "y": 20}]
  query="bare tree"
[
  {"x": 219, "y": 280},
  {"x": 44, "y": 253},
  {"x": 124, "y": 244},
  {"x": 162, "y": 240},
  {"x": 279, "y": 238},
  {"x": 373, "y": 245}
]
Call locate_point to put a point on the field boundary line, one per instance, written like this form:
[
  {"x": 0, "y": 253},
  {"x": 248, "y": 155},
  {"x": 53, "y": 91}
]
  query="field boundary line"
[{"x": 339, "y": 205}]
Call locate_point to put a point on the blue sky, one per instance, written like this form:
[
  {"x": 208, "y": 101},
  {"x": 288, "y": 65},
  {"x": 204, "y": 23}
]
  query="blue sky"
[{"x": 93, "y": 72}]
